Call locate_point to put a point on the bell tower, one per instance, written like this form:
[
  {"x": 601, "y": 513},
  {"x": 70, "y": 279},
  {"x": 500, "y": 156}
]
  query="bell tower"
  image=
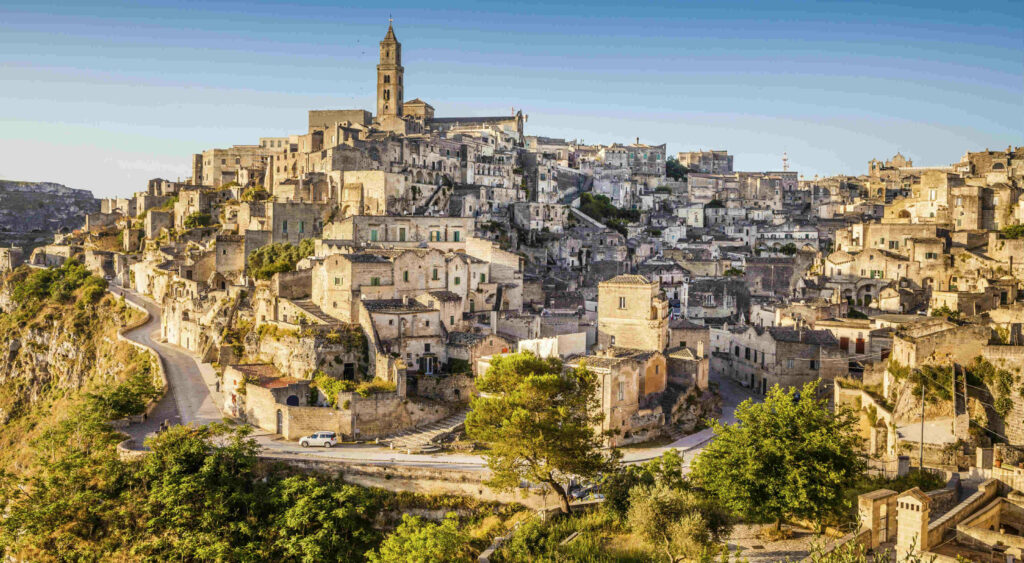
[{"x": 389, "y": 76}]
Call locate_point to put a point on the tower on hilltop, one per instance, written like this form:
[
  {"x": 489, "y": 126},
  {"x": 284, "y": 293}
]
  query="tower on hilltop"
[{"x": 389, "y": 76}]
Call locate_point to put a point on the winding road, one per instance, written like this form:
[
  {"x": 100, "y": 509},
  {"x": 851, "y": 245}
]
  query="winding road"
[{"x": 192, "y": 398}]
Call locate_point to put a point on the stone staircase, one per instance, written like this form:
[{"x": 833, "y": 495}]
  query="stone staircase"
[
  {"x": 421, "y": 440},
  {"x": 313, "y": 310},
  {"x": 668, "y": 399}
]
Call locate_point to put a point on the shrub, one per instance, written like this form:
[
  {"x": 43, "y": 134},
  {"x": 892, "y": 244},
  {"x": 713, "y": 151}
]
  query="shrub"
[
  {"x": 276, "y": 258},
  {"x": 198, "y": 219}
]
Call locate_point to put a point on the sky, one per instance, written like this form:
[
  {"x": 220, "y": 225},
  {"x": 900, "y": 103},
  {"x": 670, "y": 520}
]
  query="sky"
[{"x": 104, "y": 96}]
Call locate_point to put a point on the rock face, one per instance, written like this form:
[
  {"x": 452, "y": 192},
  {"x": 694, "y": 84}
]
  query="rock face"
[{"x": 35, "y": 210}]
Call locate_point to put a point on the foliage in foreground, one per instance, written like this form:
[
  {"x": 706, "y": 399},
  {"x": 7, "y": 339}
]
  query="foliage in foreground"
[
  {"x": 539, "y": 423},
  {"x": 679, "y": 521},
  {"x": 416, "y": 541},
  {"x": 786, "y": 457}
]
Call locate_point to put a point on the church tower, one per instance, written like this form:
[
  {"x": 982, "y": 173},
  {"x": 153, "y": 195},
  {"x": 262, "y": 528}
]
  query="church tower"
[{"x": 389, "y": 77}]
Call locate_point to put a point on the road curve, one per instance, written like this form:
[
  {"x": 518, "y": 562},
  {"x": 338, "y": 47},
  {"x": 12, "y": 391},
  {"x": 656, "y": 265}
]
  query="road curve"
[{"x": 193, "y": 399}]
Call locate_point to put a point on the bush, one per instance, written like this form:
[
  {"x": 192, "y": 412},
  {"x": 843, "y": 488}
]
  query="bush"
[
  {"x": 198, "y": 219},
  {"x": 1013, "y": 232},
  {"x": 276, "y": 258}
]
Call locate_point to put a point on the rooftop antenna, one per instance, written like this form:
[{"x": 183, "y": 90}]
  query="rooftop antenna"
[{"x": 785, "y": 162}]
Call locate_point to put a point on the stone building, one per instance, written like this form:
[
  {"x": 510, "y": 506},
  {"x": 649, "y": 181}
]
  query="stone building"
[
  {"x": 631, "y": 313},
  {"x": 708, "y": 162},
  {"x": 631, "y": 386}
]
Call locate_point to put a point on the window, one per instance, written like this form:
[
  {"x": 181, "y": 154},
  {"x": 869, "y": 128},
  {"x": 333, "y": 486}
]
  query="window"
[
  {"x": 622, "y": 391},
  {"x": 622, "y": 302},
  {"x": 284, "y": 227},
  {"x": 894, "y": 244},
  {"x": 302, "y": 227},
  {"x": 456, "y": 236},
  {"x": 373, "y": 235},
  {"x": 483, "y": 278},
  {"x": 931, "y": 255},
  {"x": 426, "y": 347},
  {"x": 736, "y": 351},
  {"x": 434, "y": 277},
  {"x": 391, "y": 322},
  {"x": 814, "y": 364},
  {"x": 405, "y": 276},
  {"x": 223, "y": 161},
  {"x": 457, "y": 280},
  {"x": 375, "y": 281},
  {"x": 401, "y": 234},
  {"x": 931, "y": 195},
  {"x": 789, "y": 363},
  {"x": 337, "y": 281},
  {"x": 451, "y": 319},
  {"x": 746, "y": 353}
]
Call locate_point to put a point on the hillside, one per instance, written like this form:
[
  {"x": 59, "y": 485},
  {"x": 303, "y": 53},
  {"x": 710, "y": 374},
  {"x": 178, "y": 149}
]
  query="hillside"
[
  {"x": 31, "y": 211},
  {"x": 59, "y": 331}
]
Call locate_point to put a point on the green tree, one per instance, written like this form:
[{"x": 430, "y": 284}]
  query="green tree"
[
  {"x": 317, "y": 520},
  {"x": 1013, "y": 231},
  {"x": 279, "y": 257},
  {"x": 616, "y": 486},
  {"x": 198, "y": 219},
  {"x": 416, "y": 541},
  {"x": 787, "y": 456},
  {"x": 675, "y": 170},
  {"x": 946, "y": 313},
  {"x": 204, "y": 500},
  {"x": 789, "y": 249},
  {"x": 539, "y": 421},
  {"x": 679, "y": 521}
]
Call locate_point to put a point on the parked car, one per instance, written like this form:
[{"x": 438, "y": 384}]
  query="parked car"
[{"x": 320, "y": 438}]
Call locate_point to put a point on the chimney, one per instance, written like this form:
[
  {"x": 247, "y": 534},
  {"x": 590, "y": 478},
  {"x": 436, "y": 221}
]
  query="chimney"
[{"x": 638, "y": 140}]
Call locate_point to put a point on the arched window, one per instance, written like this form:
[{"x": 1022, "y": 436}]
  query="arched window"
[{"x": 387, "y": 79}]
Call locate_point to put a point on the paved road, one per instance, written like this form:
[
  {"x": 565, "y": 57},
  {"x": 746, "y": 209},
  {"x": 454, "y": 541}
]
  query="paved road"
[
  {"x": 189, "y": 399},
  {"x": 192, "y": 398},
  {"x": 936, "y": 431}
]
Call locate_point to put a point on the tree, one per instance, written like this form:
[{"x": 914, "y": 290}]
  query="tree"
[
  {"x": 678, "y": 521},
  {"x": 787, "y": 456},
  {"x": 318, "y": 520},
  {"x": 416, "y": 541},
  {"x": 539, "y": 421},
  {"x": 788, "y": 249},
  {"x": 198, "y": 219},
  {"x": 947, "y": 313},
  {"x": 675, "y": 170},
  {"x": 664, "y": 470},
  {"x": 204, "y": 500},
  {"x": 278, "y": 257},
  {"x": 1013, "y": 231}
]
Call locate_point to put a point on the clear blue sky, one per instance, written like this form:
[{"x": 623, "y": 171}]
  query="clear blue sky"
[{"x": 104, "y": 96}]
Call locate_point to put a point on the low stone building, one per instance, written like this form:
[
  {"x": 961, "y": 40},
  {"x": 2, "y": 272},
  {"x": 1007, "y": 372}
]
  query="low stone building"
[{"x": 631, "y": 385}]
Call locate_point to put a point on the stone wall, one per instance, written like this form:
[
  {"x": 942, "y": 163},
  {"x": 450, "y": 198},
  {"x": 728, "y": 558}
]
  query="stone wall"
[
  {"x": 937, "y": 529},
  {"x": 448, "y": 388},
  {"x": 383, "y": 414},
  {"x": 439, "y": 480}
]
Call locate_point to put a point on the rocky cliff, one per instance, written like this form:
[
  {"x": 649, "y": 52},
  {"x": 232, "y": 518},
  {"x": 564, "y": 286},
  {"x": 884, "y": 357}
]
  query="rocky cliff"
[
  {"x": 31, "y": 211},
  {"x": 52, "y": 351}
]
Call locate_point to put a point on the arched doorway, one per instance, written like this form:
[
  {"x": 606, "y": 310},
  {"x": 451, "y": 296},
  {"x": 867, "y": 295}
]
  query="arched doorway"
[{"x": 292, "y": 401}]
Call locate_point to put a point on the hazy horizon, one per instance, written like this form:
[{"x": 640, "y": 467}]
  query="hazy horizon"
[{"x": 105, "y": 96}]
